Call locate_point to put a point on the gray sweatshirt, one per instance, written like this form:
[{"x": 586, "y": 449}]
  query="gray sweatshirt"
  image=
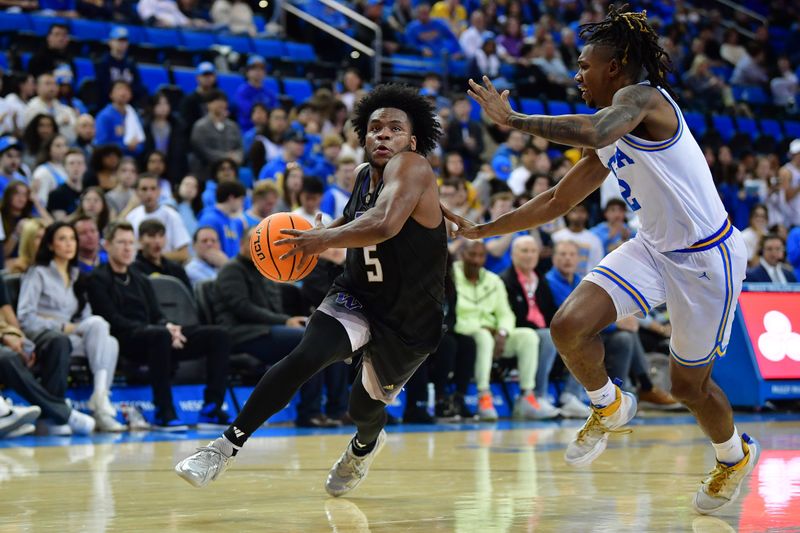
[{"x": 44, "y": 301}]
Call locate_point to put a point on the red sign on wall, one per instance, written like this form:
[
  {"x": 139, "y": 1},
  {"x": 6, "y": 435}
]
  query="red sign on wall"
[{"x": 773, "y": 324}]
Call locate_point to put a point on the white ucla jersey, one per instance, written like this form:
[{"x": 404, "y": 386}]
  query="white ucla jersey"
[{"x": 669, "y": 186}]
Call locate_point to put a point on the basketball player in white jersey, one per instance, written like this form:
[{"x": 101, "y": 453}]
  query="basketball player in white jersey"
[{"x": 686, "y": 254}]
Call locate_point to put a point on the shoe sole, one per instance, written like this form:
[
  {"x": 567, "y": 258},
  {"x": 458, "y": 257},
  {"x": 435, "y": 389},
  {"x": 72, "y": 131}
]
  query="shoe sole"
[
  {"x": 336, "y": 494},
  {"x": 28, "y": 418},
  {"x": 751, "y": 466},
  {"x": 20, "y": 431},
  {"x": 189, "y": 479},
  {"x": 600, "y": 447}
]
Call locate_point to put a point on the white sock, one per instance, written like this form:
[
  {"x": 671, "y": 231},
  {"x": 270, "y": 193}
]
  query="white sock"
[
  {"x": 100, "y": 382},
  {"x": 5, "y": 410},
  {"x": 604, "y": 396},
  {"x": 730, "y": 452}
]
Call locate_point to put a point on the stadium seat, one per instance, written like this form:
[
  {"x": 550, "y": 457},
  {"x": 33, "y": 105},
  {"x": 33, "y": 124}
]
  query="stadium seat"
[
  {"x": 772, "y": 128},
  {"x": 747, "y": 126},
  {"x": 723, "y": 71},
  {"x": 4, "y": 62},
  {"x": 185, "y": 78},
  {"x": 153, "y": 77},
  {"x": 475, "y": 112},
  {"x": 239, "y": 43},
  {"x": 272, "y": 85},
  {"x": 529, "y": 106},
  {"x": 724, "y": 125},
  {"x": 246, "y": 177},
  {"x": 300, "y": 53},
  {"x": 41, "y": 25},
  {"x": 269, "y": 48},
  {"x": 162, "y": 37},
  {"x": 203, "y": 295},
  {"x": 411, "y": 64},
  {"x": 15, "y": 22},
  {"x": 792, "y": 129},
  {"x": 228, "y": 83},
  {"x": 558, "y": 108},
  {"x": 175, "y": 300},
  {"x": 696, "y": 122},
  {"x": 583, "y": 109},
  {"x": 298, "y": 89},
  {"x": 85, "y": 69},
  {"x": 136, "y": 34},
  {"x": 89, "y": 30},
  {"x": 751, "y": 94},
  {"x": 198, "y": 40},
  {"x": 458, "y": 68},
  {"x": 24, "y": 59}
]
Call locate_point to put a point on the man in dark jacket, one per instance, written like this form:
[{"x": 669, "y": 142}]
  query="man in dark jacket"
[
  {"x": 150, "y": 260},
  {"x": 532, "y": 302},
  {"x": 54, "y": 52},
  {"x": 117, "y": 65},
  {"x": 465, "y": 135},
  {"x": 250, "y": 307},
  {"x": 125, "y": 298},
  {"x": 770, "y": 269}
]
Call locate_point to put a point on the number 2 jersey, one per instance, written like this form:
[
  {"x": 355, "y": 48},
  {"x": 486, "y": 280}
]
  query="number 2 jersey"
[
  {"x": 400, "y": 282},
  {"x": 669, "y": 186}
]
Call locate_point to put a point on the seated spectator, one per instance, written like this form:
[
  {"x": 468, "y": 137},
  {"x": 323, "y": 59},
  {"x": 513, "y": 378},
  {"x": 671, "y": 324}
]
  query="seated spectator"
[
  {"x": 465, "y": 135},
  {"x": 553, "y": 66},
  {"x": 756, "y": 230},
  {"x": 506, "y": 157},
  {"x": 250, "y": 307},
  {"x": 215, "y": 137},
  {"x": 225, "y": 216},
  {"x": 103, "y": 167},
  {"x": 390, "y": 41},
  {"x": 223, "y": 171},
  {"x": 614, "y": 231},
  {"x": 65, "y": 199},
  {"x": 149, "y": 259},
  {"x": 750, "y": 70},
  {"x": 518, "y": 179},
  {"x": 85, "y": 132},
  {"x": 499, "y": 248},
  {"x": 53, "y": 52},
  {"x": 39, "y": 130},
  {"x": 118, "y": 122},
  {"x": 193, "y": 105},
  {"x": 125, "y": 298},
  {"x": 338, "y": 194},
  {"x": 92, "y": 203},
  {"x": 454, "y": 196},
  {"x": 50, "y": 171},
  {"x": 253, "y": 91},
  {"x": 471, "y": 39},
  {"x": 730, "y": 50},
  {"x": 268, "y": 143},
  {"x": 156, "y": 165},
  {"x": 21, "y": 90},
  {"x": 165, "y": 134},
  {"x": 486, "y": 61},
  {"x": 209, "y": 257},
  {"x": 533, "y": 305},
  {"x": 294, "y": 146},
  {"x": 166, "y": 14},
  {"x": 430, "y": 36},
  {"x": 352, "y": 146},
  {"x": 510, "y": 41},
  {"x": 10, "y": 162},
  {"x": 452, "y": 13},
  {"x": 51, "y": 299},
  {"x": 432, "y": 88},
  {"x": 590, "y": 247},
  {"x": 785, "y": 86},
  {"x": 265, "y": 197},
  {"x": 115, "y": 65},
  {"x": 66, "y": 94},
  {"x": 46, "y": 103},
  {"x": 310, "y": 200},
  {"x": 234, "y": 15},
  {"x": 789, "y": 184},
  {"x": 122, "y": 198},
  {"x": 190, "y": 203},
  {"x": 17, "y": 205},
  {"x": 259, "y": 116},
  {"x": 770, "y": 268},
  {"x": 90, "y": 252},
  {"x": 177, "y": 245},
  {"x": 30, "y": 236},
  {"x": 324, "y": 167},
  {"x": 483, "y": 312}
]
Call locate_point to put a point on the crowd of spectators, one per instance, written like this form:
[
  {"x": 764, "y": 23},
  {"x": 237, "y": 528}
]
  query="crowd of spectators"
[{"x": 94, "y": 204}]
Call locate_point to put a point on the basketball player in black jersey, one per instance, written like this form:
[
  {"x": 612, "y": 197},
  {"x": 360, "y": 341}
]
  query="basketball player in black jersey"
[{"x": 386, "y": 306}]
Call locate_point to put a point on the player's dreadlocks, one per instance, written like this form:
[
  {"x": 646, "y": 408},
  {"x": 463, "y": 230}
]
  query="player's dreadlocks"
[
  {"x": 424, "y": 125},
  {"x": 634, "y": 42}
]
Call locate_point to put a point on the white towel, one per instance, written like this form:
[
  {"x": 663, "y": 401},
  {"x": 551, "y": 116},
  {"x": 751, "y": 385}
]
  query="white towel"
[{"x": 134, "y": 133}]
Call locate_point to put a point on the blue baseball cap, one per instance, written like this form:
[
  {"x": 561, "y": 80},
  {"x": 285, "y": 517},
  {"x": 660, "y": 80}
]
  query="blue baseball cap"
[
  {"x": 118, "y": 32},
  {"x": 255, "y": 60},
  {"x": 206, "y": 67},
  {"x": 8, "y": 142},
  {"x": 502, "y": 167}
]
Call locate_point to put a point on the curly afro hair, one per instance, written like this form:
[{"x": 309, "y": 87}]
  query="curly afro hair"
[{"x": 424, "y": 125}]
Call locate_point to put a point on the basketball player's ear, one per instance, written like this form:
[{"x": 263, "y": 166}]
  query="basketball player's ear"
[
  {"x": 614, "y": 68},
  {"x": 413, "y": 144}
]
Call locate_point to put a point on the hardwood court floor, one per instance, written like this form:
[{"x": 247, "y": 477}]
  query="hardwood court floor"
[{"x": 510, "y": 477}]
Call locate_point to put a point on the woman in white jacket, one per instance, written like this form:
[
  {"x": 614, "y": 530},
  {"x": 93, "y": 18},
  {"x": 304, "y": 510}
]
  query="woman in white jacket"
[
  {"x": 50, "y": 172},
  {"x": 49, "y": 299}
]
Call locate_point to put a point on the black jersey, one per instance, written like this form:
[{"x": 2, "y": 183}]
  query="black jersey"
[{"x": 400, "y": 282}]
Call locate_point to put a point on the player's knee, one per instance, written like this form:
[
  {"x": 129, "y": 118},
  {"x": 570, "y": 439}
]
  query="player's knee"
[{"x": 567, "y": 331}]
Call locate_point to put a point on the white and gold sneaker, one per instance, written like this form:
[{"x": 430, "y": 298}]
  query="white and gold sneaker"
[{"x": 722, "y": 486}]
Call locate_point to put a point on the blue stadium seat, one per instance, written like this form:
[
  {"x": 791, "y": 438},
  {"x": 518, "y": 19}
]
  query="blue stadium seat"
[
  {"x": 458, "y": 68},
  {"x": 410, "y": 64},
  {"x": 185, "y": 78},
  {"x": 792, "y": 129},
  {"x": 272, "y": 85},
  {"x": 162, "y": 37},
  {"x": 529, "y": 106},
  {"x": 89, "y": 30},
  {"x": 747, "y": 126},
  {"x": 41, "y": 25},
  {"x": 583, "y": 109},
  {"x": 228, "y": 83},
  {"x": 198, "y": 40},
  {"x": 300, "y": 53},
  {"x": 558, "y": 108},
  {"x": 752, "y": 94},
  {"x": 298, "y": 89},
  {"x": 772, "y": 128},
  {"x": 239, "y": 43},
  {"x": 136, "y": 34},
  {"x": 696, "y": 122},
  {"x": 14, "y": 22},
  {"x": 24, "y": 59},
  {"x": 723, "y": 71},
  {"x": 724, "y": 125},
  {"x": 269, "y": 48},
  {"x": 4, "y": 62},
  {"x": 246, "y": 177},
  {"x": 260, "y": 23},
  {"x": 153, "y": 77},
  {"x": 85, "y": 69},
  {"x": 475, "y": 112}
]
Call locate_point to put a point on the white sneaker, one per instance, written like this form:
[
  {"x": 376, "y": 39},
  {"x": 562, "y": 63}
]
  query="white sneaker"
[
  {"x": 207, "y": 464},
  {"x": 486, "y": 410},
  {"x": 18, "y": 416},
  {"x": 351, "y": 469},
  {"x": 105, "y": 423},
  {"x": 572, "y": 407},
  {"x": 48, "y": 428},
  {"x": 547, "y": 409},
  {"x": 101, "y": 404},
  {"x": 593, "y": 436},
  {"x": 722, "y": 486},
  {"x": 81, "y": 423},
  {"x": 530, "y": 408}
]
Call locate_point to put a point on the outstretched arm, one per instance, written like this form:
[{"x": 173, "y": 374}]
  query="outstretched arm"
[
  {"x": 628, "y": 108},
  {"x": 586, "y": 176}
]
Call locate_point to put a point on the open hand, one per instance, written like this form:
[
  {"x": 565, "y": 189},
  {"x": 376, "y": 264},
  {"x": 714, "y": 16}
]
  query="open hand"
[
  {"x": 464, "y": 228},
  {"x": 494, "y": 104}
]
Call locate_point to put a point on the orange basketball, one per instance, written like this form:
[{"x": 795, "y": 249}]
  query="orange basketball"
[{"x": 266, "y": 255}]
